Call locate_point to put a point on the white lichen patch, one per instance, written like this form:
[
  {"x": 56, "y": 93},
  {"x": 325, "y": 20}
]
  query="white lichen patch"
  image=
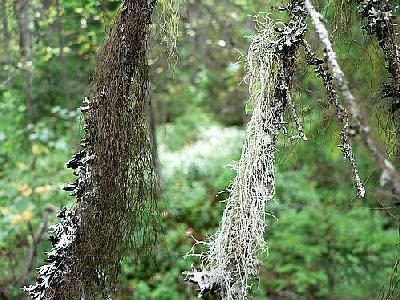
[
  {"x": 230, "y": 266},
  {"x": 231, "y": 261}
]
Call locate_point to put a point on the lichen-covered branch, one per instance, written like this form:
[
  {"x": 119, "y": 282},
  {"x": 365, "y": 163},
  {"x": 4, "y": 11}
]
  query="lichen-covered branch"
[
  {"x": 115, "y": 188},
  {"x": 378, "y": 16},
  {"x": 230, "y": 266},
  {"x": 389, "y": 173},
  {"x": 295, "y": 118},
  {"x": 321, "y": 68}
]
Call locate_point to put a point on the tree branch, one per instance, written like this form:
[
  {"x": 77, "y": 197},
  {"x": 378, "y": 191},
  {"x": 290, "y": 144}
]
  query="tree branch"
[
  {"x": 342, "y": 114},
  {"x": 37, "y": 237},
  {"x": 389, "y": 173}
]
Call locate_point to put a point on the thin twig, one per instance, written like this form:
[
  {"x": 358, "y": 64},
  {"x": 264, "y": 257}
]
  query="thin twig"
[{"x": 37, "y": 237}]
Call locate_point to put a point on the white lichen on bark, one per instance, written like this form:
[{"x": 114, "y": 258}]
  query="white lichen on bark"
[
  {"x": 64, "y": 235},
  {"x": 230, "y": 266},
  {"x": 232, "y": 258}
]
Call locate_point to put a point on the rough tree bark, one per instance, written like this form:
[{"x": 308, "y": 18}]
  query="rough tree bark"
[{"x": 116, "y": 184}]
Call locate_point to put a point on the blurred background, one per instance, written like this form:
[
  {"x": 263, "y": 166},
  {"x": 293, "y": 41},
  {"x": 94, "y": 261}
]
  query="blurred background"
[{"x": 324, "y": 242}]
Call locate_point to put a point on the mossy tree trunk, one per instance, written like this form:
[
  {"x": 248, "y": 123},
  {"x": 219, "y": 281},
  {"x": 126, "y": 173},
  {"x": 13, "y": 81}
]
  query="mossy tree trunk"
[{"x": 116, "y": 183}]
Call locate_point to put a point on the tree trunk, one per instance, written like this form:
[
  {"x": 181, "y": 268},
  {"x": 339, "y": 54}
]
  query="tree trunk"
[
  {"x": 61, "y": 44},
  {"x": 22, "y": 10},
  {"x": 64, "y": 71},
  {"x": 116, "y": 186},
  {"x": 6, "y": 34}
]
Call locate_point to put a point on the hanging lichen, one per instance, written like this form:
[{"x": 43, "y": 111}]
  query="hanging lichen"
[
  {"x": 230, "y": 265},
  {"x": 115, "y": 188},
  {"x": 169, "y": 16}
]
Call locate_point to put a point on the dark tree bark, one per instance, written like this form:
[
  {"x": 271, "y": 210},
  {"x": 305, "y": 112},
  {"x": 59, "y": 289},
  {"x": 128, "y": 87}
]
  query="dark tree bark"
[{"x": 116, "y": 186}]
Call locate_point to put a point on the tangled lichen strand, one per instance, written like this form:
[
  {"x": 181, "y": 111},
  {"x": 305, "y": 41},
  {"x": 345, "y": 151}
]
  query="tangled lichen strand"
[
  {"x": 168, "y": 24},
  {"x": 233, "y": 252},
  {"x": 116, "y": 185},
  {"x": 230, "y": 265},
  {"x": 232, "y": 258}
]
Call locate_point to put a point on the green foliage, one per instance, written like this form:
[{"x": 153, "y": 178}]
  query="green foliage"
[{"x": 308, "y": 245}]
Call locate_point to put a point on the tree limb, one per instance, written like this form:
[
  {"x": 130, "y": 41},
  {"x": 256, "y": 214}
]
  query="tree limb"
[
  {"x": 389, "y": 173},
  {"x": 37, "y": 237}
]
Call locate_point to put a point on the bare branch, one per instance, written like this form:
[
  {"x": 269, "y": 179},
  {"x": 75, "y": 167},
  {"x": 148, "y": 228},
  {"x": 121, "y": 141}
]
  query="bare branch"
[{"x": 37, "y": 237}]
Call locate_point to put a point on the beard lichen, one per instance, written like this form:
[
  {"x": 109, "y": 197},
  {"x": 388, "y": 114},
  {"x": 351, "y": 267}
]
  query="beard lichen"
[
  {"x": 168, "y": 15},
  {"x": 116, "y": 186},
  {"x": 230, "y": 266}
]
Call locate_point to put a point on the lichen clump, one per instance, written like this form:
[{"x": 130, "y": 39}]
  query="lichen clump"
[{"x": 230, "y": 266}]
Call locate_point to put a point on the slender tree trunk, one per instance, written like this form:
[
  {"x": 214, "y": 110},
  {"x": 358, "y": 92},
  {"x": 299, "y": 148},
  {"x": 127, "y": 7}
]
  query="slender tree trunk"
[
  {"x": 6, "y": 34},
  {"x": 22, "y": 10},
  {"x": 330, "y": 250},
  {"x": 61, "y": 45},
  {"x": 151, "y": 121},
  {"x": 64, "y": 70}
]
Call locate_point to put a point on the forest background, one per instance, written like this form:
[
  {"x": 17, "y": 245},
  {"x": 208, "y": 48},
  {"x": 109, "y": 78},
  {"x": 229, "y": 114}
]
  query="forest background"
[{"x": 324, "y": 242}]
